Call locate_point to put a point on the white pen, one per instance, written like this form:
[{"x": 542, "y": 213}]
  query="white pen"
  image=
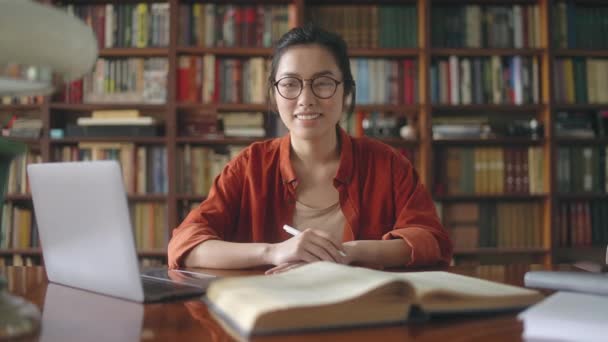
[{"x": 291, "y": 230}]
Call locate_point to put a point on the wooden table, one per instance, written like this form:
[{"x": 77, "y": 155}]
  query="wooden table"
[{"x": 74, "y": 315}]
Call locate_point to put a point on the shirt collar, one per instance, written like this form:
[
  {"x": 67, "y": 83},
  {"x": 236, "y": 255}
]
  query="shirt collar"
[{"x": 345, "y": 169}]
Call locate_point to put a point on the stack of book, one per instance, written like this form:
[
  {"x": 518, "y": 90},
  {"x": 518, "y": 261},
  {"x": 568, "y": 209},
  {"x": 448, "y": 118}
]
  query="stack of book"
[
  {"x": 239, "y": 124},
  {"x": 113, "y": 123}
]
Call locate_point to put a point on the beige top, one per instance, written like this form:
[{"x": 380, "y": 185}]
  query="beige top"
[{"x": 330, "y": 219}]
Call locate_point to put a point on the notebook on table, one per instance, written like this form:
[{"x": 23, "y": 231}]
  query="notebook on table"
[
  {"x": 593, "y": 282},
  {"x": 86, "y": 234}
]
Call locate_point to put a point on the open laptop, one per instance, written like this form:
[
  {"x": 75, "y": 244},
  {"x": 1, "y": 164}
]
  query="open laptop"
[{"x": 86, "y": 235}]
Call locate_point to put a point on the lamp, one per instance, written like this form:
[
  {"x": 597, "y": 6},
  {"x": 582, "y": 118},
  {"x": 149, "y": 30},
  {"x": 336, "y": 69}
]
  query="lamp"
[{"x": 41, "y": 47}]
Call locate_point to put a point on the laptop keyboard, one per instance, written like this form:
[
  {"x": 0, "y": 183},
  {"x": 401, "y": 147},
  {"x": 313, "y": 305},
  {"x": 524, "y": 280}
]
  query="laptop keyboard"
[{"x": 157, "y": 289}]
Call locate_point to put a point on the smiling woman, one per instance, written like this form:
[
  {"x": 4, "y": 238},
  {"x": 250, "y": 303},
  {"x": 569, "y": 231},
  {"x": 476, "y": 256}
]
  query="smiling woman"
[{"x": 355, "y": 200}]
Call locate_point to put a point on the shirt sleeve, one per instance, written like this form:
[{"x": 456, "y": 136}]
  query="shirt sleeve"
[
  {"x": 417, "y": 221},
  {"x": 213, "y": 218}
]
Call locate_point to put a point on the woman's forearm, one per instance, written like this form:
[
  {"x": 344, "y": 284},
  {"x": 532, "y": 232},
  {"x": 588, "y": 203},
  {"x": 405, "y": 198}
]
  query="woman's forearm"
[
  {"x": 383, "y": 253},
  {"x": 228, "y": 255}
]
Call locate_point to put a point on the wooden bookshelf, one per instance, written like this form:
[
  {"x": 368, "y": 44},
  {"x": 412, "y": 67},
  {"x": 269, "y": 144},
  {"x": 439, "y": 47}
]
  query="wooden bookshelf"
[{"x": 420, "y": 113}]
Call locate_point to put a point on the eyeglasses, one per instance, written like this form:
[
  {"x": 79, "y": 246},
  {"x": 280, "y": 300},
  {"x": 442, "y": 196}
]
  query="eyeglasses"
[{"x": 322, "y": 87}]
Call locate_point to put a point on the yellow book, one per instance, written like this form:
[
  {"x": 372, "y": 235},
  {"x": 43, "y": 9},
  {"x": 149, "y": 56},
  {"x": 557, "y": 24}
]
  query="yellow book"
[
  {"x": 115, "y": 113},
  {"x": 326, "y": 295}
]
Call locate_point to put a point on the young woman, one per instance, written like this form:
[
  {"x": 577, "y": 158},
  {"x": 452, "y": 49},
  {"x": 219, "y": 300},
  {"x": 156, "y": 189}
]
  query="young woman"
[{"x": 355, "y": 200}]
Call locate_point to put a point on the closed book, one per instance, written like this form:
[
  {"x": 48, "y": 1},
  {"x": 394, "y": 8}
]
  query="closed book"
[
  {"x": 326, "y": 295},
  {"x": 112, "y": 131}
]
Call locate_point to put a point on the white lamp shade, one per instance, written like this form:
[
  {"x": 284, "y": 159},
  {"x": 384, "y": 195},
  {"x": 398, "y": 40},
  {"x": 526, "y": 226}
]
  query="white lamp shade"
[{"x": 36, "y": 35}]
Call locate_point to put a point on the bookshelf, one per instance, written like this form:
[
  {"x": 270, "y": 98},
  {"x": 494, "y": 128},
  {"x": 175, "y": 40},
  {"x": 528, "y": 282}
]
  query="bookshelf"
[{"x": 424, "y": 44}]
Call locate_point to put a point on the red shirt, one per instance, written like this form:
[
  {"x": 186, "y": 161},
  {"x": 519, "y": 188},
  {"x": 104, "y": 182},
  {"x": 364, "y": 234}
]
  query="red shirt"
[{"x": 380, "y": 194}]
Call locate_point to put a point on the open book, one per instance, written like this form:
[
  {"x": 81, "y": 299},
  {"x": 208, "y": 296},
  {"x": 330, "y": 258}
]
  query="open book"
[{"x": 325, "y": 295}]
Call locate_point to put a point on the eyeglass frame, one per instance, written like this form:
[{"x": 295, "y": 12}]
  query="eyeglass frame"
[{"x": 311, "y": 80}]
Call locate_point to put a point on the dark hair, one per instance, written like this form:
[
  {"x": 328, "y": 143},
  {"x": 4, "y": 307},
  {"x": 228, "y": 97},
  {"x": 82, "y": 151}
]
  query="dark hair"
[{"x": 310, "y": 34}]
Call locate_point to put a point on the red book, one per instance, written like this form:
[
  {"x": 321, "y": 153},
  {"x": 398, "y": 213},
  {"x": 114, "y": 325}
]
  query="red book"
[
  {"x": 183, "y": 78},
  {"x": 249, "y": 26}
]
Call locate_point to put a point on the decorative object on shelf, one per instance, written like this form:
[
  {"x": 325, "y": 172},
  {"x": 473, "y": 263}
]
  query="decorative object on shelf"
[{"x": 34, "y": 58}]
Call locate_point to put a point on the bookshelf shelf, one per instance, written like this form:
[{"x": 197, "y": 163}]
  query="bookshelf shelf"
[
  {"x": 564, "y": 106},
  {"x": 28, "y": 141},
  {"x": 490, "y": 197},
  {"x": 147, "y": 197},
  {"x": 582, "y": 141},
  {"x": 486, "y": 142},
  {"x": 18, "y": 197},
  {"x": 499, "y": 251},
  {"x": 98, "y": 106},
  {"x": 231, "y": 107},
  {"x": 21, "y": 251},
  {"x": 19, "y": 107},
  {"x": 380, "y": 52},
  {"x": 582, "y": 196},
  {"x": 459, "y": 109},
  {"x": 593, "y": 253},
  {"x": 580, "y": 53},
  {"x": 138, "y": 140},
  {"x": 405, "y": 109},
  {"x": 444, "y": 52},
  {"x": 399, "y": 142},
  {"x": 225, "y": 51},
  {"x": 218, "y": 141},
  {"x": 183, "y": 197},
  {"x": 143, "y": 253},
  {"x": 134, "y": 52}
]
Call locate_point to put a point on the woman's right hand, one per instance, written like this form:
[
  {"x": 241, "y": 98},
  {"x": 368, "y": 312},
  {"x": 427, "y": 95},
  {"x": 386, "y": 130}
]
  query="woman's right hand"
[{"x": 309, "y": 246}]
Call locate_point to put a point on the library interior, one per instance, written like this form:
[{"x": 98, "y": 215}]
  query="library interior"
[{"x": 501, "y": 106}]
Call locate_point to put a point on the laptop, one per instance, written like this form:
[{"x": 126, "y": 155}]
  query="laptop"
[{"x": 86, "y": 234}]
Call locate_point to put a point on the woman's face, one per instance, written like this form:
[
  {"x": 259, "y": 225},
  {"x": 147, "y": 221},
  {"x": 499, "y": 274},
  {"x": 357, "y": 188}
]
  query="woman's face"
[{"x": 308, "y": 116}]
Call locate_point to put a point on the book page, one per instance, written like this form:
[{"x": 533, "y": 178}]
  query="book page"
[
  {"x": 439, "y": 289},
  {"x": 313, "y": 284}
]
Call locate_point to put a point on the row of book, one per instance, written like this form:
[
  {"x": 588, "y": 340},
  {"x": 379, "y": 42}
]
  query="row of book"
[
  {"x": 198, "y": 166},
  {"x": 144, "y": 168},
  {"x": 17, "y": 175},
  {"x": 18, "y": 227},
  {"x": 485, "y": 80},
  {"x": 475, "y": 26},
  {"x": 490, "y": 224},
  {"x": 583, "y": 124},
  {"x": 490, "y": 170},
  {"x": 120, "y": 80},
  {"x": 387, "y": 81},
  {"x": 137, "y": 25},
  {"x": 582, "y": 169},
  {"x": 369, "y": 26},
  {"x": 580, "y": 80},
  {"x": 217, "y": 25},
  {"x": 581, "y": 224},
  {"x": 579, "y": 25},
  {"x": 209, "y": 79},
  {"x": 490, "y": 125},
  {"x": 150, "y": 223}
]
